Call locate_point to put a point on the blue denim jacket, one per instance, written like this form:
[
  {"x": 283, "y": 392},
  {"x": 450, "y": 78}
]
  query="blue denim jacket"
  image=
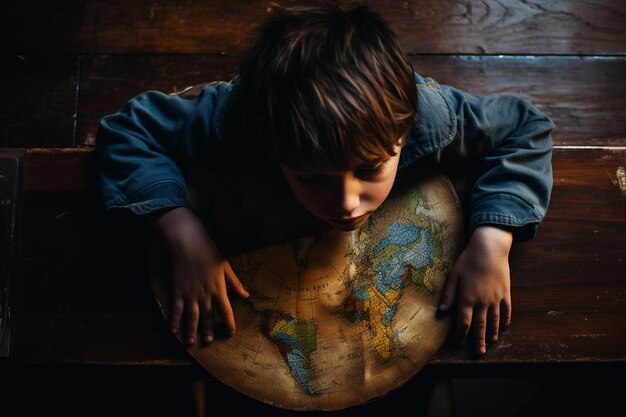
[{"x": 148, "y": 146}]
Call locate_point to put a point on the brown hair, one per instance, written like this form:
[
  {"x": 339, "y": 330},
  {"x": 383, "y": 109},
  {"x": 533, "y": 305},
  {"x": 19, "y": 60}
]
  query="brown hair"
[{"x": 325, "y": 83}]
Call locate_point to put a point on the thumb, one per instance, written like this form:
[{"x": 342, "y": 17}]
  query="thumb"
[{"x": 449, "y": 292}]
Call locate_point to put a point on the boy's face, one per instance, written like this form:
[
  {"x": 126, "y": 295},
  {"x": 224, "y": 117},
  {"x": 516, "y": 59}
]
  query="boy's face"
[{"x": 346, "y": 198}]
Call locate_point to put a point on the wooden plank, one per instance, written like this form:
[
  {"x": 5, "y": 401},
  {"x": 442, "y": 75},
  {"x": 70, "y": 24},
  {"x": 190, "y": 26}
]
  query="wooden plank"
[
  {"x": 424, "y": 26},
  {"x": 107, "y": 82},
  {"x": 10, "y": 192},
  {"x": 38, "y": 100},
  {"x": 587, "y": 109},
  {"x": 84, "y": 296},
  {"x": 57, "y": 170}
]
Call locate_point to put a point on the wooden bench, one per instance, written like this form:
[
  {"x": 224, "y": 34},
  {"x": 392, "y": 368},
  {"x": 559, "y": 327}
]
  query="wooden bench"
[{"x": 75, "y": 300}]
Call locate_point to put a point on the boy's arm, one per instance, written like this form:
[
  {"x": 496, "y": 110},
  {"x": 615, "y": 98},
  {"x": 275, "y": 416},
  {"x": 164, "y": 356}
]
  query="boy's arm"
[
  {"x": 141, "y": 151},
  {"x": 511, "y": 140},
  {"x": 142, "y": 147}
]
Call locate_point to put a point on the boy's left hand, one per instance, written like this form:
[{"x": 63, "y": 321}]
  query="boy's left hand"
[{"x": 481, "y": 280}]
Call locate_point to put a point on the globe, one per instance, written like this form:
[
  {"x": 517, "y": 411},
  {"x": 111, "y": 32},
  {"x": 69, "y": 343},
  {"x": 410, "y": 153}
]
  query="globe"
[{"x": 334, "y": 319}]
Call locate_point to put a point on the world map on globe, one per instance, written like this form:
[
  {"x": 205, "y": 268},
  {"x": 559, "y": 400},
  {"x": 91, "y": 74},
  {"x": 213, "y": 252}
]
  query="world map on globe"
[{"x": 337, "y": 318}]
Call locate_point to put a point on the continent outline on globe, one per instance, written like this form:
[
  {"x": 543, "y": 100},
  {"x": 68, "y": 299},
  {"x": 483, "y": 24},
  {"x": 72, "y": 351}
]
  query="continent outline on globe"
[{"x": 356, "y": 281}]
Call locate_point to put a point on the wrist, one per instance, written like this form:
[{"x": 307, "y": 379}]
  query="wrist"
[
  {"x": 176, "y": 226},
  {"x": 493, "y": 237}
]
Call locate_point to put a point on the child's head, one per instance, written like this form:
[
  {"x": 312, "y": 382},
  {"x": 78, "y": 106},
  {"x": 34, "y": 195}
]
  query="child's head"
[
  {"x": 328, "y": 90},
  {"x": 323, "y": 84}
]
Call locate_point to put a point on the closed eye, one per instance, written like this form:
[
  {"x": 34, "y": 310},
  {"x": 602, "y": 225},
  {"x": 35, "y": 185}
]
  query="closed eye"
[{"x": 372, "y": 172}]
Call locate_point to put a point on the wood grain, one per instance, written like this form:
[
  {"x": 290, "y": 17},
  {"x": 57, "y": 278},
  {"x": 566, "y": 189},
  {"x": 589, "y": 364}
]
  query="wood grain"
[
  {"x": 85, "y": 298},
  {"x": 583, "y": 95},
  {"x": 424, "y": 26},
  {"x": 107, "y": 82}
]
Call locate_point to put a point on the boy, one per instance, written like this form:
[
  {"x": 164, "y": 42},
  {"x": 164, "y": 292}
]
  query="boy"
[{"x": 327, "y": 95}]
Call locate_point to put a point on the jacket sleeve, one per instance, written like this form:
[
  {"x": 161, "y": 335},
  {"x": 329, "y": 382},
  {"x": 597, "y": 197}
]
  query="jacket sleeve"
[
  {"x": 141, "y": 149},
  {"x": 510, "y": 140}
]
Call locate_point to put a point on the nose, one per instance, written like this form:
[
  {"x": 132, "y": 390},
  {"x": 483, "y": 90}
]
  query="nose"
[{"x": 349, "y": 195}]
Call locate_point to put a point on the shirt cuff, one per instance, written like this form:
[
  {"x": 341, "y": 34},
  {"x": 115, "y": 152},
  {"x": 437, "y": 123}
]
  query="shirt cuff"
[
  {"x": 508, "y": 212},
  {"x": 157, "y": 196}
]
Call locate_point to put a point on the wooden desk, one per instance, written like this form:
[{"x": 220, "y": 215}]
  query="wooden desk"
[
  {"x": 84, "y": 311},
  {"x": 84, "y": 297}
]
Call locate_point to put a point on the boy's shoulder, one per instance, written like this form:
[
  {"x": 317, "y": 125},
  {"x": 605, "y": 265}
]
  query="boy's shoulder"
[
  {"x": 193, "y": 91},
  {"x": 197, "y": 110},
  {"x": 435, "y": 121},
  {"x": 210, "y": 101},
  {"x": 195, "y": 104}
]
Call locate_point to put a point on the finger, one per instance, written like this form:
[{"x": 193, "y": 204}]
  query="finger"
[
  {"x": 507, "y": 310},
  {"x": 226, "y": 311},
  {"x": 206, "y": 321},
  {"x": 479, "y": 325},
  {"x": 493, "y": 323},
  {"x": 464, "y": 322},
  {"x": 449, "y": 292},
  {"x": 193, "y": 315},
  {"x": 233, "y": 282},
  {"x": 176, "y": 314}
]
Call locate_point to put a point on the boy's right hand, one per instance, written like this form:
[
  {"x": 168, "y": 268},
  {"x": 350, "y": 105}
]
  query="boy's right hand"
[{"x": 201, "y": 276}]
